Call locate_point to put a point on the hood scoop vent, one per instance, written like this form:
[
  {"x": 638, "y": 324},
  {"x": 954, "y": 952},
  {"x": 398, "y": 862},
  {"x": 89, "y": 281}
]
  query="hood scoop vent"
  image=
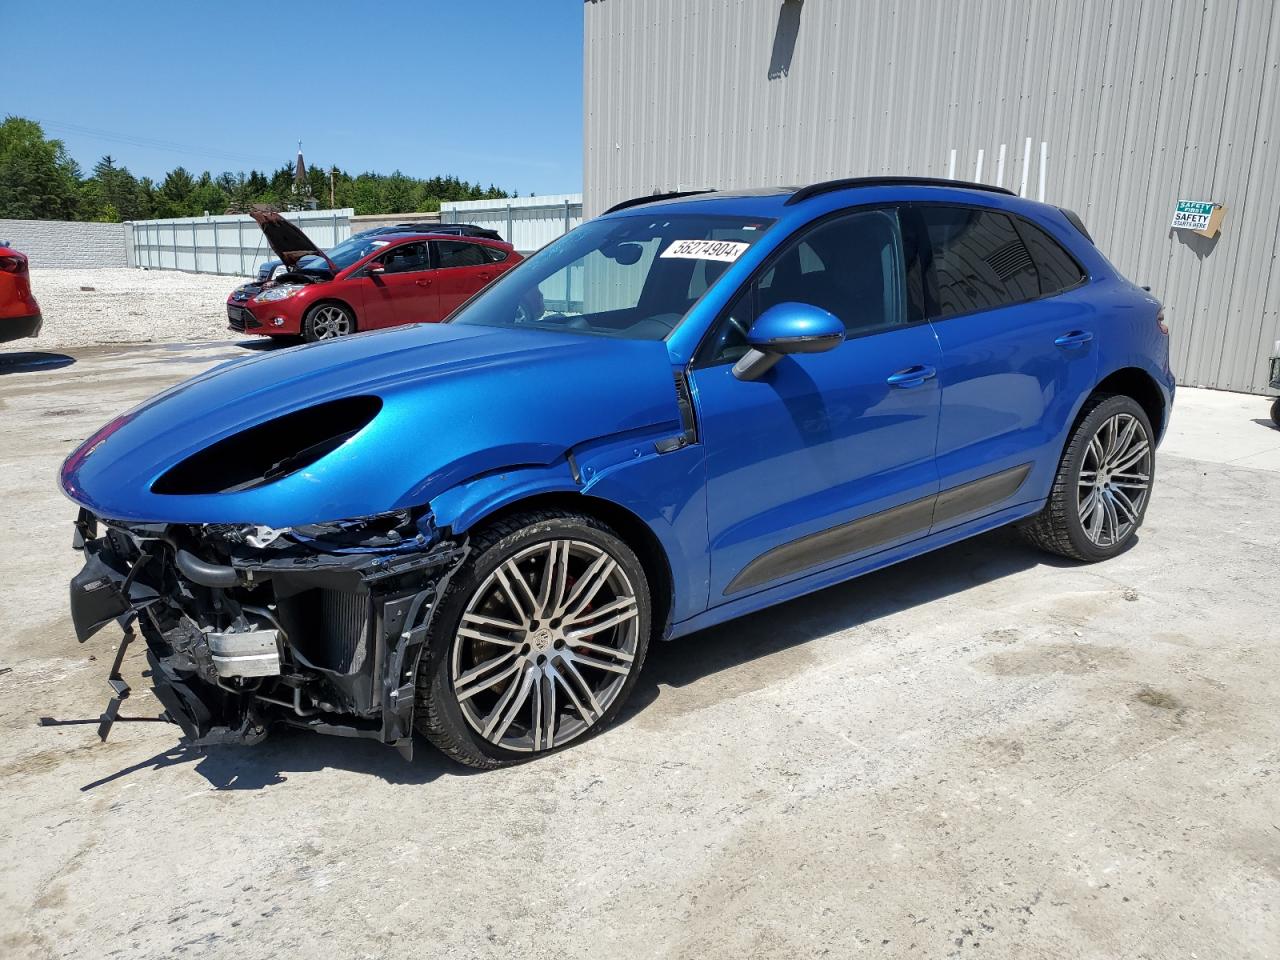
[{"x": 269, "y": 451}]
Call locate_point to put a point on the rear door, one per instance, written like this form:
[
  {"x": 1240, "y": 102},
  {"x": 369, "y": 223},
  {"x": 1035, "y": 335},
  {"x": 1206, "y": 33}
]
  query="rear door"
[
  {"x": 462, "y": 269},
  {"x": 404, "y": 292},
  {"x": 1016, "y": 330}
]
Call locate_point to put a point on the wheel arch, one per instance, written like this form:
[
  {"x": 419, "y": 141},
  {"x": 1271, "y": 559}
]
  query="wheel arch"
[
  {"x": 337, "y": 302},
  {"x": 633, "y": 530},
  {"x": 1141, "y": 386}
]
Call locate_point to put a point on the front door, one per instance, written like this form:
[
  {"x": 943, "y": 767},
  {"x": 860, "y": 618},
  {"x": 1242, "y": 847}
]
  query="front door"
[
  {"x": 464, "y": 269},
  {"x": 828, "y": 456},
  {"x": 405, "y": 290}
]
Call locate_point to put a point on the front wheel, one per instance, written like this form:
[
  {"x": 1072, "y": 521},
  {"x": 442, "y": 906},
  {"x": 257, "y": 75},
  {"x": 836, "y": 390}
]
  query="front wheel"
[
  {"x": 327, "y": 321},
  {"x": 1103, "y": 484},
  {"x": 538, "y": 641},
  {"x": 1275, "y": 412}
]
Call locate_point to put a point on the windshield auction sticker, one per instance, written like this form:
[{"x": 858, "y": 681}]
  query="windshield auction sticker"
[{"x": 726, "y": 250}]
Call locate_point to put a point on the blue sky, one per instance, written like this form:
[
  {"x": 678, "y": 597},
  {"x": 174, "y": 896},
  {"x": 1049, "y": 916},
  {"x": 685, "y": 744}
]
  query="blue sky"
[{"x": 488, "y": 90}]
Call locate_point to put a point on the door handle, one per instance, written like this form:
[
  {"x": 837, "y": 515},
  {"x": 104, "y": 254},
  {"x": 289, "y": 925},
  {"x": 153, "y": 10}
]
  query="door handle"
[
  {"x": 422, "y": 283},
  {"x": 1076, "y": 338},
  {"x": 485, "y": 276},
  {"x": 912, "y": 376}
]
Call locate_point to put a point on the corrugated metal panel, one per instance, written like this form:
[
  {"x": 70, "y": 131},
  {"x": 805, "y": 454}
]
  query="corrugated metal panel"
[
  {"x": 527, "y": 223},
  {"x": 1141, "y": 102},
  {"x": 231, "y": 244}
]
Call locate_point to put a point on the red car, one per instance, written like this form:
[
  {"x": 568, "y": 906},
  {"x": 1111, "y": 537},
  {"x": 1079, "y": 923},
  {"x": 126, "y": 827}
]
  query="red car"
[
  {"x": 365, "y": 283},
  {"x": 19, "y": 312}
]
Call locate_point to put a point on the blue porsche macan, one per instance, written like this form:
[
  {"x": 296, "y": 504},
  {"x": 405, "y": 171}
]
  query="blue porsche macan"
[{"x": 685, "y": 410}]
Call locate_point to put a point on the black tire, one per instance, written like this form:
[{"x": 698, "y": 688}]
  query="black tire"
[
  {"x": 1275, "y": 412},
  {"x": 1058, "y": 528},
  {"x": 439, "y": 713},
  {"x": 328, "y": 321}
]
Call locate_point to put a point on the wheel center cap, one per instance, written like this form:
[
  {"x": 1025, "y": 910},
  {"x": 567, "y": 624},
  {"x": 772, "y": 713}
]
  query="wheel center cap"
[{"x": 541, "y": 640}]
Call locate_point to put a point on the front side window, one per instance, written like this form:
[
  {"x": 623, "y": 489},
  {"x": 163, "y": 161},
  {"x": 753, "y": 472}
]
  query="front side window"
[
  {"x": 634, "y": 277},
  {"x": 977, "y": 262},
  {"x": 352, "y": 250},
  {"x": 456, "y": 253},
  {"x": 406, "y": 258},
  {"x": 850, "y": 266}
]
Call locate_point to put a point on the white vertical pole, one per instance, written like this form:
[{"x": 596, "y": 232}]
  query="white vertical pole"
[
  {"x": 977, "y": 170},
  {"x": 1026, "y": 164},
  {"x": 1000, "y": 167},
  {"x": 951, "y": 165},
  {"x": 1044, "y": 158}
]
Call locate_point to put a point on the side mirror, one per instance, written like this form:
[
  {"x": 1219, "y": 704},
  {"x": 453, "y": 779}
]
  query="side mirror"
[
  {"x": 787, "y": 328},
  {"x": 375, "y": 268}
]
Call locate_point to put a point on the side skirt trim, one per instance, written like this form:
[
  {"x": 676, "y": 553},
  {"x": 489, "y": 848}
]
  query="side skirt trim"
[{"x": 868, "y": 533}]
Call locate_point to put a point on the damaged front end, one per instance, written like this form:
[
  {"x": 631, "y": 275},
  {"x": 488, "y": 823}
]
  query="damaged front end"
[{"x": 318, "y": 626}]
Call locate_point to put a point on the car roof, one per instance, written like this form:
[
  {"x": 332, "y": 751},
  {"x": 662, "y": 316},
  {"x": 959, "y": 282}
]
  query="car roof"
[
  {"x": 774, "y": 201},
  {"x": 400, "y": 237}
]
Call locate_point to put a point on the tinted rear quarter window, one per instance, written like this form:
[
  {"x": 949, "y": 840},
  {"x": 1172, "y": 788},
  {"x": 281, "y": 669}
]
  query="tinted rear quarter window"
[
  {"x": 458, "y": 253},
  {"x": 1058, "y": 270},
  {"x": 978, "y": 261}
]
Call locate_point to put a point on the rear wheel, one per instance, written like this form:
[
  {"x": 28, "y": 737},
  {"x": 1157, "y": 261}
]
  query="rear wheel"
[
  {"x": 538, "y": 640},
  {"x": 1103, "y": 484},
  {"x": 327, "y": 321},
  {"x": 1275, "y": 412}
]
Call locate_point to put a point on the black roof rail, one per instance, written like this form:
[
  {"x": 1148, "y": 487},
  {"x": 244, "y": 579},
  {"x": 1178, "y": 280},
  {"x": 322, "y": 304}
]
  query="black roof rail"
[
  {"x": 829, "y": 186},
  {"x": 654, "y": 198}
]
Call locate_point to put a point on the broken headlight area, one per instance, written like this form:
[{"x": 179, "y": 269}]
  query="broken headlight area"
[{"x": 319, "y": 626}]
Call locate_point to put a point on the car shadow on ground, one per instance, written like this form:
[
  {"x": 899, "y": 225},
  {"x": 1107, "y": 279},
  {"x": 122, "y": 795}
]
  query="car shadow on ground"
[
  {"x": 287, "y": 752},
  {"x": 265, "y": 344},
  {"x": 30, "y": 362},
  {"x": 681, "y": 663},
  {"x": 863, "y": 600}
]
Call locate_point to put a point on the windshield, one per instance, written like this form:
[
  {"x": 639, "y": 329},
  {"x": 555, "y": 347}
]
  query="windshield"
[
  {"x": 634, "y": 277},
  {"x": 344, "y": 254}
]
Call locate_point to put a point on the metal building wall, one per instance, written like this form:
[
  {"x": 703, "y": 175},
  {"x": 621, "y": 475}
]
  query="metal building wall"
[{"x": 1141, "y": 102}]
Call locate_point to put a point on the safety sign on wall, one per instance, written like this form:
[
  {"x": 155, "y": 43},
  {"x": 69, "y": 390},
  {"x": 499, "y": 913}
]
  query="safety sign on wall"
[{"x": 1199, "y": 216}]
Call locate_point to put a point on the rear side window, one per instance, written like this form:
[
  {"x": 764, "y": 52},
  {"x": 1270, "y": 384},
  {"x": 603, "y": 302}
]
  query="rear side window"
[
  {"x": 456, "y": 253},
  {"x": 494, "y": 254},
  {"x": 978, "y": 261},
  {"x": 1058, "y": 270}
]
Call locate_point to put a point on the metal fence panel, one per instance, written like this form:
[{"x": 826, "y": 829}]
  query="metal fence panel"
[
  {"x": 1140, "y": 104},
  {"x": 527, "y": 223},
  {"x": 230, "y": 244}
]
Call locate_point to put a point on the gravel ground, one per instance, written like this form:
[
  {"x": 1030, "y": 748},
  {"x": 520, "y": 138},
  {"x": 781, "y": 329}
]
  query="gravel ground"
[
  {"x": 127, "y": 305},
  {"x": 983, "y": 752}
]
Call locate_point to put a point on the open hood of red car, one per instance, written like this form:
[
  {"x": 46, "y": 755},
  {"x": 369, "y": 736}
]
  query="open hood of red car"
[{"x": 287, "y": 240}]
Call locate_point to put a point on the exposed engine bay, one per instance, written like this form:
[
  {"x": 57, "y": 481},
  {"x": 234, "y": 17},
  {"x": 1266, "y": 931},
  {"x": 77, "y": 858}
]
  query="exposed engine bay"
[{"x": 317, "y": 626}]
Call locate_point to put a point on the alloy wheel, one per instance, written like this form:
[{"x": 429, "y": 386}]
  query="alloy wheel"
[
  {"x": 1115, "y": 479},
  {"x": 545, "y": 645},
  {"x": 330, "y": 322}
]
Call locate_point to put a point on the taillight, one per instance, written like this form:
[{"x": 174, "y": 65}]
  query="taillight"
[
  {"x": 13, "y": 263},
  {"x": 1164, "y": 327}
]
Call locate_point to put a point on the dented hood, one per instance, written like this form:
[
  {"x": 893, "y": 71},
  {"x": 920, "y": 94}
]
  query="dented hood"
[
  {"x": 452, "y": 402},
  {"x": 287, "y": 240}
]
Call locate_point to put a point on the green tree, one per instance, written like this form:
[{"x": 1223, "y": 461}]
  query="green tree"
[
  {"x": 174, "y": 198},
  {"x": 115, "y": 190},
  {"x": 38, "y": 181},
  {"x": 207, "y": 195}
]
